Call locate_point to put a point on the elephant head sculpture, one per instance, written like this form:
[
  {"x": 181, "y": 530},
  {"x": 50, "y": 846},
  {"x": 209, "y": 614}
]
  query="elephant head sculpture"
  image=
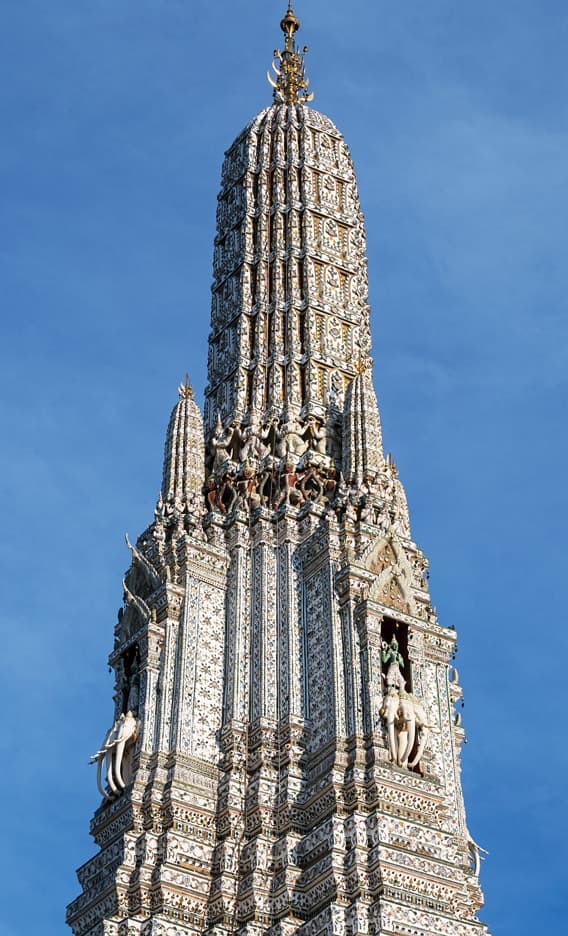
[
  {"x": 123, "y": 734},
  {"x": 406, "y": 721}
]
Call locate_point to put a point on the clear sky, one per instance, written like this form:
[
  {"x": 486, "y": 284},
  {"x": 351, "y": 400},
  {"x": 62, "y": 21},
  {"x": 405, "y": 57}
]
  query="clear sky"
[{"x": 115, "y": 115}]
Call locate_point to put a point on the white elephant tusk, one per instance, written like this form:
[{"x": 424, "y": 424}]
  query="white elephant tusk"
[
  {"x": 110, "y": 779},
  {"x": 474, "y": 853},
  {"x": 392, "y": 742},
  {"x": 99, "y": 776},
  {"x": 118, "y": 754},
  {"x": 421, "y": 746},
  {"x": 402, "y": 746},
  {"x": 410, "y": 742}
]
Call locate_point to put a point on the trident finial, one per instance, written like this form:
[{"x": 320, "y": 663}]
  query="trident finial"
[
  {"x": 291, "y": 85},
  {"x": 185, "y": 389}
]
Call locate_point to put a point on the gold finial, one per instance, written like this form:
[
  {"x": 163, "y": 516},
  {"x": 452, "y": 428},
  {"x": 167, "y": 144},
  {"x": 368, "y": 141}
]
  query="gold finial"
[
  {"x": 289, "y": 25},
  {"x": 185, "y": 390},
  {"x": 291, "y": 85},
  {"x": 391, "y": 465}
]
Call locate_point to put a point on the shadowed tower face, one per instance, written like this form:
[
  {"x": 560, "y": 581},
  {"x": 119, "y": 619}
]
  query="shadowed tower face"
[{"x": 284, "y": 755}]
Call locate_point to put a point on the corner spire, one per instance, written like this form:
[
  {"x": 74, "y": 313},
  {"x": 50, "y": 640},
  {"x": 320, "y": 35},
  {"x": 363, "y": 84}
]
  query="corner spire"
[
  {"x": 362, "y": 436},
  {"x": 291, "y": 84},
  {"x": 184, "y": 458}
]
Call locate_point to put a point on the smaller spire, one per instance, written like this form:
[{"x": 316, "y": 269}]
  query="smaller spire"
[
  {"x": 362, "y": 436},
  {"x": 184, "y": 458},
  {"x": 291, "y": 84}
]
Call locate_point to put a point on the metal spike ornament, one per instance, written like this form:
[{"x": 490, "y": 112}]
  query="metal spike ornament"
[
  {"x": 291, "y": 84},
  {"x": 185, "y": 390}
]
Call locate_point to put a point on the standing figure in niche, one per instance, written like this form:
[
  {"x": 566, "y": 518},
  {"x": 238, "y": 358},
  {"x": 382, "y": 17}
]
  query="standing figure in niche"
[
  {"x": 133, "y": 687},
  {"x": 393, "y": 659}
]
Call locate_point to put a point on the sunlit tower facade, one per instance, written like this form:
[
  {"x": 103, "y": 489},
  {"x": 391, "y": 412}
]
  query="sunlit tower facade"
[{"x": 284, "y": 755}]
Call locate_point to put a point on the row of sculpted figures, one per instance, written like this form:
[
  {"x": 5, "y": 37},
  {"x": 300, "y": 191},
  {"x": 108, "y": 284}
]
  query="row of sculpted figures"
[
  {"x": 280, "y": 462},
  {"x": 293, "y": 462},
  {"x": 276, "y": 439}
]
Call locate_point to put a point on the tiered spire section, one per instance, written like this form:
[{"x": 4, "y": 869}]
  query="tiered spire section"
[{"x": 290, "y": 315}]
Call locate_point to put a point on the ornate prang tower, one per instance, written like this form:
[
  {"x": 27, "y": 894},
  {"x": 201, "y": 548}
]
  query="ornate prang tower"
[{"x": 285, "y": 754}]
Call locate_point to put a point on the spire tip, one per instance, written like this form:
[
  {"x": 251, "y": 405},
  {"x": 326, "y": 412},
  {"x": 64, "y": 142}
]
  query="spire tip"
[
  {"x": 185, "y": 390},
  {"x": 291, "y": 84}
]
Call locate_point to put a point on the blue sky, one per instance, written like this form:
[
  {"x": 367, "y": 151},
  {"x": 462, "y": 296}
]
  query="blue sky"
[{"x": 115, "y": 116}]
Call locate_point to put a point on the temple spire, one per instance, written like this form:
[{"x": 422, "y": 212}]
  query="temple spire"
[
  {"x": 284, "y": 750},
  {"x": 362, "y": 436},
  {"x": 291, "y": 84},
  {"x": 184, "y": 458}
]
